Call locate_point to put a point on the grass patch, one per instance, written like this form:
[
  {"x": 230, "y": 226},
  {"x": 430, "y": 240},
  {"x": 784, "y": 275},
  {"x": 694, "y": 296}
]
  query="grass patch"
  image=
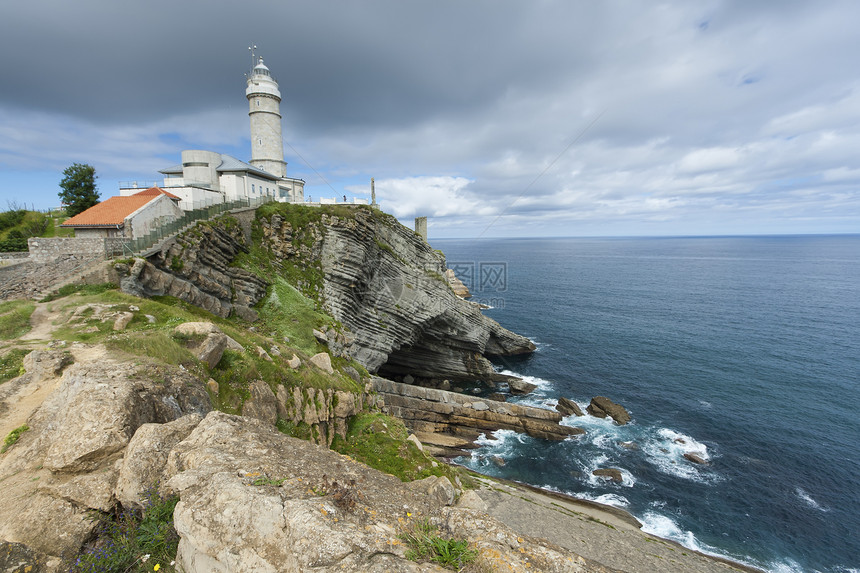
[
  {"x": 134, "y": 541},
  {"x": 13, "y": 437},
  {"x": 425, "y": 543},
  {"x": 288, "y": 313},
  {"x": 379, "y": 441},
  {"x": 158, "y": 344},
  {"x": 301, "y": 430},
  {"x": 12, "y": 364},
  {"x": 71, "y": 289},
  {"x": 15, "y": 318}
]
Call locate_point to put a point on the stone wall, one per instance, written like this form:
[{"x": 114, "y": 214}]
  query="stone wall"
[
  {"x": 14, "y": 256},
  {"x": 48, "y": 250}
]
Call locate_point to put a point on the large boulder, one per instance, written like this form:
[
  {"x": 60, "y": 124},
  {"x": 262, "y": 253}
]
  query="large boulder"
[
  {"x": 568, "y": 407},
  {"x": 146, "y": 456},
  {"x": 204, "y": 340},
  {"x": 520, "y": 387},
  {"x": 322, "y": 361},
  {"x": 68, "y": 463},
  {"x": 601, "y": 407}
]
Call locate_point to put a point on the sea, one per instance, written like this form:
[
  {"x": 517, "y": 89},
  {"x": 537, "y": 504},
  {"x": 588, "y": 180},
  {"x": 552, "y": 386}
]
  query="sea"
[{"x": 742, "y": 350}]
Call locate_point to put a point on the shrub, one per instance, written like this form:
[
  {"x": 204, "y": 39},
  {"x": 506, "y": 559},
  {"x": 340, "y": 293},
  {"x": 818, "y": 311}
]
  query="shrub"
[
  {"x": 134, "y": 541},
  {"x": 426, "y": 544},
  {"x": 13, "y": 437},
  {"x": 12, "y": 364}
]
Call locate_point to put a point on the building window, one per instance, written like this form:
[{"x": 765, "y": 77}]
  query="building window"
[
  {"x": 260, "y": 141},
  {"x": 258, "y": 103},
  {"x": 253, "y": 190}
]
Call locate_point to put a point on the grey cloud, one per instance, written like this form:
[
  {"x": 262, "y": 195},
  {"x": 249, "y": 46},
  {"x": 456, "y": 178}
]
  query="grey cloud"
[{"x": 702, "y": 106}]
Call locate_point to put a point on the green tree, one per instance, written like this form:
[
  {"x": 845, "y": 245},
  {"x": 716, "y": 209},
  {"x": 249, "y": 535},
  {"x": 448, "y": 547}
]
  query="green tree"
[{"x": 78, "y": 188}]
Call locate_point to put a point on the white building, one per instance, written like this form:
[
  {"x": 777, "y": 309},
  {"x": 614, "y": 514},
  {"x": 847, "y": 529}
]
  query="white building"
[
  {"x": 130, "y": 216},
  {"x": 207, "y": 177}
]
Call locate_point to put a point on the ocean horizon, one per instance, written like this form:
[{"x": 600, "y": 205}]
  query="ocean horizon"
[{"x": 744, "y": 350}]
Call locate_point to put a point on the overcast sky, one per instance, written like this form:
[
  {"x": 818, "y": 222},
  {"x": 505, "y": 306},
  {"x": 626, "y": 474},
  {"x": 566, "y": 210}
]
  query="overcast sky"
[{"x": 492, "y": 118}]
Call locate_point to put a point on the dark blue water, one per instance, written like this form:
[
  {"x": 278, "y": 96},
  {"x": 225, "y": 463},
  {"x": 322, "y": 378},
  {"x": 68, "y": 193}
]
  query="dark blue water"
[{"x": 744, "y": 350}]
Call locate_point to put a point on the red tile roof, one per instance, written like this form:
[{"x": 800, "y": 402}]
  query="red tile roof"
[
  {"x": 110, "y": 212},
  {"x": 156, "y": 191}
]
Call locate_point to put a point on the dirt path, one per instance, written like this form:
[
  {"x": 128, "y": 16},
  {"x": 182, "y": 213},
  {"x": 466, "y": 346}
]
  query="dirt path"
[
  {"x": 42, "y": 322},
  {"x": 20, "y": 397}
]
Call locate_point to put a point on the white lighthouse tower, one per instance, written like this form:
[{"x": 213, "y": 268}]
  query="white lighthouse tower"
[{"x": 264, "y": 98}]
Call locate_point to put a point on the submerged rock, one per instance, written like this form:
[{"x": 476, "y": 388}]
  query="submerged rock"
[
  {"x": 695, "y": 458},
  {"x": 612, "y": 474}
]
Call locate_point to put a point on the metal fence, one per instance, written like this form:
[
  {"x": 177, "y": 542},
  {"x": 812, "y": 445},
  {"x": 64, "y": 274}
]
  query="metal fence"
[{"x": 130, "y": 247}]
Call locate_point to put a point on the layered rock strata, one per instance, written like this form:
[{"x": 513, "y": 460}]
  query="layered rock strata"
[
  {"x": 388, "y": 287},
  {"x": 195, "y": 267},
  {"x": 448, "y": 422}
]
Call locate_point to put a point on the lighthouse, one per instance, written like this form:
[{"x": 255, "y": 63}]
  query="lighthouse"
[{"x": 264, "y": 100}]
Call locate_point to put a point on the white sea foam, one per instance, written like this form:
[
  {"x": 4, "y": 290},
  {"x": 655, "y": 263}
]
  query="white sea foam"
[
  {"x": 789, "y": 566},
  {"x": 807, "y": 499},
  {"x": 537, "y": 381},
  {"x": 662, "y": 526},
  {"x": 612, "y": 499},
  {"x": 665, "y": 449}
]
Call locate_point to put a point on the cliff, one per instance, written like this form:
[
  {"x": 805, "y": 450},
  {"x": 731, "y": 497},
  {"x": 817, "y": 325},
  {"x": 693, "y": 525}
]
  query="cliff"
[
  {"x": 124, "y": 451},
  {"x": 378, "y": 279},
  {"x": 388, "y": 287}
]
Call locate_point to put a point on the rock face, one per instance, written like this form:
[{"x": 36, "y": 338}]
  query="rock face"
[
  {"x": 254, "y": 500},
  {"x": 457, "y": 285},
  {"x": 427, "y": 411},
  {"x": 196, "y": 268},
  {"x": 387, "y": 286},
  {"x": 69, "y": 461},
  {"x": 601, "y": 407}
]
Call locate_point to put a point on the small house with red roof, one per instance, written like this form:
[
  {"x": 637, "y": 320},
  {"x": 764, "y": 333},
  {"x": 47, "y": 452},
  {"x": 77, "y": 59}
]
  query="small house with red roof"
[{"x": 129, "y": 217}]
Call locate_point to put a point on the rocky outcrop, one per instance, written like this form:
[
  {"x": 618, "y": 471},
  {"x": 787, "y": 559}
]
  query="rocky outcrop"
[
  {"x": 195, "y": 267},
  {"x": 612, "y": 474},
  {"x": 252, "y": 499},
  {"x": 206, "y": 341},
  {"x": 601, "y": 407},
  {"x": 456, "y": 284},
  {"x": 69, "y": 461},
  {"x": 448, "y": 421},
  {"x": 568, "y": 407},
  {"x": 387, "y": 286}
]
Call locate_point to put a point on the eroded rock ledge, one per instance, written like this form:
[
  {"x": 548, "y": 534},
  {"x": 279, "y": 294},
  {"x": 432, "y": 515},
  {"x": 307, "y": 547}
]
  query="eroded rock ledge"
[{"x": 448, "y": 422}]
